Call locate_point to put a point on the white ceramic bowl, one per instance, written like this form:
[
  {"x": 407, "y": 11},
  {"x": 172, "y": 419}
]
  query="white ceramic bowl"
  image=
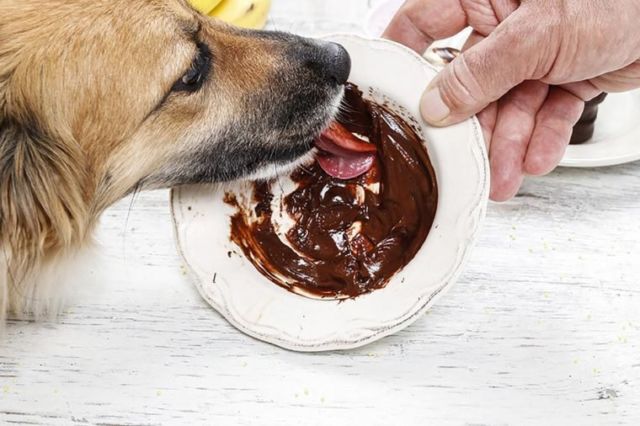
[{"x": 260, "y": 308}]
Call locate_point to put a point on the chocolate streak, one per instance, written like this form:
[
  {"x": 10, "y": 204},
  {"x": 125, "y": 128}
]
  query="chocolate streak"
[{"x": 349, "y": 238}]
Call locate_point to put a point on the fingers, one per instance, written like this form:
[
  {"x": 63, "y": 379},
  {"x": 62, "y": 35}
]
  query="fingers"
[
  {"x": 473, "y": 39},
  {"x": 513, "y": 129},
  {"x": 487, "y": 118},
  {"x": 479, "y": 76},
  {"x": 504, "y": 8},
  {"x": 554, "y": 125},
  {"x": 418, "y": 23},
  {"x": 485, "y": 15},
  {"x": 584, "y": 90},
  {"x": 627, "y": 78}
]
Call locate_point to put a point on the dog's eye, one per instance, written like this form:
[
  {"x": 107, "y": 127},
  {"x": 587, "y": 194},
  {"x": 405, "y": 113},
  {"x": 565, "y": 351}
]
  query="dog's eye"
[{"x": 197, "y": 73}]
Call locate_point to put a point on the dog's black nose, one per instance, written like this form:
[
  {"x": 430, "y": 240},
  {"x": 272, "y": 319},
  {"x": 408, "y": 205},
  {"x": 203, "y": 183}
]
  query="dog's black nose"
[
  {"x": 339, "y": 63},
  {"x": 330, "y": 61}
]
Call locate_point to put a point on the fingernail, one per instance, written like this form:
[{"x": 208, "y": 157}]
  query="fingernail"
[{"x": 433, "y": 108}]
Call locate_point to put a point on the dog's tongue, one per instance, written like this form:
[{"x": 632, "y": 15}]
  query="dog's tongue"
[{"x": 342, "y": 154}]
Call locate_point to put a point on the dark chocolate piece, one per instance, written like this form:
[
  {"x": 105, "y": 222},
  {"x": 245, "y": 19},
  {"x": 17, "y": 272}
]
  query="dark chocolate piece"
[
  {"x": 584, "y": 129},
  {"x": 348, "y": 239}
]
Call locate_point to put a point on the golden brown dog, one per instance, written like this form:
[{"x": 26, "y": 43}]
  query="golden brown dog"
[{"x": 99, "y": 98}]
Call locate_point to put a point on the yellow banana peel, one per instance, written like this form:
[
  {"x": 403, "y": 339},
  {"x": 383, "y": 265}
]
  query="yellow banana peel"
[
  {"x": 256, "y": 17},
  {"x": 204, "y": 6},
  {"x": 232, "y": 10}
]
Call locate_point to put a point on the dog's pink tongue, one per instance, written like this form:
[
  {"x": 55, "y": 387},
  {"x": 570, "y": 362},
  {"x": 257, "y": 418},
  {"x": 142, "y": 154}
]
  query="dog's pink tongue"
[
  {"x": 342, "y": 155},
  {"x": 346, "y": 167}
]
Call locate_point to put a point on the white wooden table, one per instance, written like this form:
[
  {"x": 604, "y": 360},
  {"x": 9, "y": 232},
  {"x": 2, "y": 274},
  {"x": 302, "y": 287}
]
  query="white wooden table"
[{"x": 543, "y": 327}]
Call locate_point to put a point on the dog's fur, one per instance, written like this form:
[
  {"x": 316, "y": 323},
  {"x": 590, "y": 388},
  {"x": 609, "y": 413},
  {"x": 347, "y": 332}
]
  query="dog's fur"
[{"x": 93, "y": 106}]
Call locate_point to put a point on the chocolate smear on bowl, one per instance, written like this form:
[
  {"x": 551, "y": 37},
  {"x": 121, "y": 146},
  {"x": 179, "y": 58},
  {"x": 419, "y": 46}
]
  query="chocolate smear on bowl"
[{"x": 349, "y": 236}]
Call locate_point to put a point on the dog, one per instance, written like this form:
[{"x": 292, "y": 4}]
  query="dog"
[{"x": 101, "y": 98}]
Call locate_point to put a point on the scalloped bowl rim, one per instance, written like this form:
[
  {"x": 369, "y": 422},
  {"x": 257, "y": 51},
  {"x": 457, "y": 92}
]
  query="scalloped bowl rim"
[{"x": 359, "y": 334}]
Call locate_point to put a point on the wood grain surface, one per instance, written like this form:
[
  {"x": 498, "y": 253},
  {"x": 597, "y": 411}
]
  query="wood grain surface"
[{"x": 542, "y": 328}]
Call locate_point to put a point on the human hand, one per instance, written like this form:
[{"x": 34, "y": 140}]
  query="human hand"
[{"x": 526, "y": 70}]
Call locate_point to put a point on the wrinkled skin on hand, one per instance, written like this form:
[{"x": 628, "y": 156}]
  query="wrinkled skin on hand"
[{"x": 526, "y": 70}]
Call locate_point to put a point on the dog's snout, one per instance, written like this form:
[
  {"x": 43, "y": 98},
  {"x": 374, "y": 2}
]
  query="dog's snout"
[
  {"x": 330, "y": 61},
  {"x": 339, "y": 63}
]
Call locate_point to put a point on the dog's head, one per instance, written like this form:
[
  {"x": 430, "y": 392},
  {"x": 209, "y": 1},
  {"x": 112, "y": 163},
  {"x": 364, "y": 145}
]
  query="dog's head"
[
  {"x": 106, "y": 96},
  {"x": 100, "y": 97}
]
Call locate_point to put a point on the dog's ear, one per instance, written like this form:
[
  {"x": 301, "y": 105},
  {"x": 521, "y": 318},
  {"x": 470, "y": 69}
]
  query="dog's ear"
[{"x": 42, "y": 206}]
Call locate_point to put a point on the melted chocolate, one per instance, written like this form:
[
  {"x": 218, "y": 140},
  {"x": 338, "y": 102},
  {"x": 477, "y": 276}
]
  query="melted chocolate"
[{"x": 350, "y": 236}]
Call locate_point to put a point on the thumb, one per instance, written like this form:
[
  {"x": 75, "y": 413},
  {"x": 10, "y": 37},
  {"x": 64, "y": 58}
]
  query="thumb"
[{"x": 480, "y": 75}]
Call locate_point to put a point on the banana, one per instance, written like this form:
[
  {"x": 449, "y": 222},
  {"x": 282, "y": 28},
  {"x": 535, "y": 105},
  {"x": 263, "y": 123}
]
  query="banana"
[
  {"x": 256, "y": 16},
  {"x": 204, "y": 6},
  {"x": 232, "y": 10}
]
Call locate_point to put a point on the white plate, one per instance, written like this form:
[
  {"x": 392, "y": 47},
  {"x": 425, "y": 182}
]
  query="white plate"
[
  {"x": 268, "y": 312},
  {"x": 616, "y": 139}
]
